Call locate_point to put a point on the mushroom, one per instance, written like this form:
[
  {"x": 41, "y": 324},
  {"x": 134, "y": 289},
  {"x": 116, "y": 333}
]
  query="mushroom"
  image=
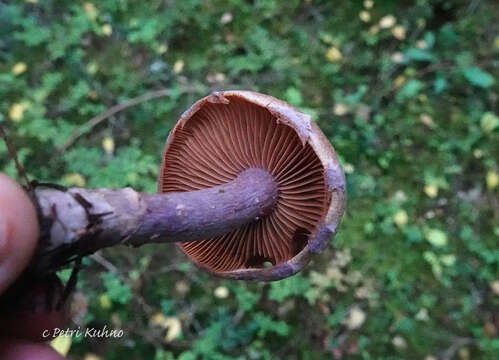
[
  {"x": 249, "y": 188},
  {"x": 229, "y": 132}
]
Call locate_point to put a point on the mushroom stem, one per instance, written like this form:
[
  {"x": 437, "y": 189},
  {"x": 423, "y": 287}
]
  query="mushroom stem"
[{"x": 77, "y": 222}]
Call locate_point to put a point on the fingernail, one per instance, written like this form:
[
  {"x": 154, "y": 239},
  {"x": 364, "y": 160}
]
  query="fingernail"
[{"x": 3, "y": 239}]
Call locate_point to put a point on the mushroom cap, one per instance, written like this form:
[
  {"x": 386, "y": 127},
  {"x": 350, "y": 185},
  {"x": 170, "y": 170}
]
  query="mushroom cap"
[{"x": 228, "y": 132}]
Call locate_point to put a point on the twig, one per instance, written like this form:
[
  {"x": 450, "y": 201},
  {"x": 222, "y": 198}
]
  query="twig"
[
  {"x": 101, "y": 260},
  {"x": 459, "y": 342},
  {"x": 13, "y": 154},
  {"x": 89, "y": 125},
  {"x": 473, "y": 6}
]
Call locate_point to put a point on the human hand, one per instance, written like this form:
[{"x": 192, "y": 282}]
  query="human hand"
[{"x": 21, "y": 327}]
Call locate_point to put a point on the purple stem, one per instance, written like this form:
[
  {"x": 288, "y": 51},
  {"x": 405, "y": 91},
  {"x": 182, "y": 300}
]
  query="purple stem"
[
  {"x": 78, "y": 222},
  {"x": 201, "y": 214}
]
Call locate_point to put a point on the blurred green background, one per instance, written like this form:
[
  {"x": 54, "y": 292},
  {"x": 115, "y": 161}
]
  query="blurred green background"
[{"x": 405, "y": 90}]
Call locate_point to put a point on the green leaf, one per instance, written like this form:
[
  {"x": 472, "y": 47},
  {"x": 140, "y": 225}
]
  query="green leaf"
[
  {"x": 478, "y": 77},
  {"x": 266, "y": 325},
  {"x": 187, "y": 355},
  {"x": 295, "y": 285},
  {"x": 33, "y": 34},
  {"x": 430, "y": 39},
  {"x": 433, "y": 260},
  {"x": 147, "y": 31},
  {"x": 167, "y": 306},
  {"x": 411, "y": 89},
  {"x": 440, "y": 84},
  {"x": 246, "y": 298},
  {"x": 293, "y": 96},
  {"x": 419, "y": 55},
  {"x": 64, "y": 274},
  {"x": 116, "y": 290},
  {"x": 413, "y": 234},
  {"x": 337, "y": 317}
]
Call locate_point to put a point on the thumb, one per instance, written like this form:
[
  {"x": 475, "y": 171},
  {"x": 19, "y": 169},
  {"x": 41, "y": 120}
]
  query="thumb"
[
  {"x": 18, "y": 231},
  {"x": 25, "y": 350}
]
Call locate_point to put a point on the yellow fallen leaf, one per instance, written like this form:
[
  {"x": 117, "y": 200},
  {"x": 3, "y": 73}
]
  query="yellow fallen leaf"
[
  {"x": 340, "y": 109},
  {"x": 401, "y": 218},
  {"x": 399, "y": 342},
  {"x": 16, "y": 111},
  {"x": 422, "y": 315},
  {"x": 355, "y": 319},
  {"x": 159, "y": 319},
  {"x": 178, "y": 66},
  {"x": 162, "y": 49},
  {"x": 365, "y": 16},
  {"x": 492, "y": 179},
  {"x": 221, "y": 292},
  {"x": 91, "y": 356},
  {"x": 108, "y": 144},
  {"x": 387, "y": 22},
  {"x": 75, "y": 179},
  {"x": 107, "y": 29},
  {"x": 226, "y": 18},
  {"x": 105, "y": 302},
  {"x": 399, "y": 81},
  {"x": 182, "y": 287},
  {"x": 397, "y": 57},
  {"x": 61, "y": 344},
  {"x": 464, "y": 352},
  {"x": 92, "y": 68},
  {"x": 422, "y": 44},
  {"x": 436, "y": 237},
  {"x": 327, "y": 38},
  {"x": 174, "y": 329},
  {"x": 399, "y": 32},
  {"x": 349, "y": 168},
  {"x": 334, "y": 54},
  {"x": 431, "y": 190},
  {"x": 373, "y": 30},
  {"x": 494, "y": 285},
  {"x": 448, "y": 260},
  {"x": 90, "y": 10},
  {"x": 19, "y": 68},
  {"x": 489, "y": 122},
  {"x": 427, "y": 120}
]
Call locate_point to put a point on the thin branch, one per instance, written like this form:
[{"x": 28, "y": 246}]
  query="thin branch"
[
  {"x": 459, "y": 342},
  {"x": 89, "y": 125},
  {"x": 13, "y": 154},
  {"x": 473, "y": 6},
  {"x": 101, "y": 260}
]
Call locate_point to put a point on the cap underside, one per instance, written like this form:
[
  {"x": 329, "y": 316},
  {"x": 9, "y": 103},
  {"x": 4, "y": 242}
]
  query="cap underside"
[{"x": 220, "y": 141}]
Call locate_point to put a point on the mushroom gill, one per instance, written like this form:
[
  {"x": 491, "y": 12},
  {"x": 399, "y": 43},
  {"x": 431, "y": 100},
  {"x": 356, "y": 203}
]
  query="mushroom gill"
[{"x": 217, "y": 143}]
